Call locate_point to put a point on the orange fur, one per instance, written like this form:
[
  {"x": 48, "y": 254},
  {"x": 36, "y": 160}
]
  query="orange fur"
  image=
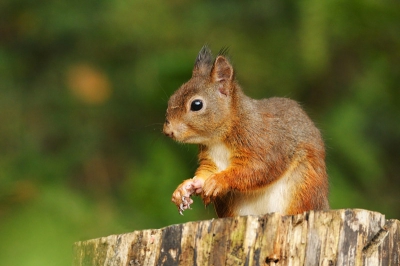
[{"x": 255, "y": 156}]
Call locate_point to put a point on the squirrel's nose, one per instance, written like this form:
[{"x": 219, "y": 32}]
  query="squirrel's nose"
[{"x": 167, "y": 129}]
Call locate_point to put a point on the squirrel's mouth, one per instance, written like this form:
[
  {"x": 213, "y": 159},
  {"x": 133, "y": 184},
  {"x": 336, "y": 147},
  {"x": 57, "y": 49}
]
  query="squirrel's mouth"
[
  {"x": 171, "y": 131},
  {"x": 168, "y": 130},
  {"x": 182, "y": 133}
]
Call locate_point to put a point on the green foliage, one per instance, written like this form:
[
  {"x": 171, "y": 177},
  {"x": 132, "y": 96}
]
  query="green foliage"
[{"x": 84, "y": 86}]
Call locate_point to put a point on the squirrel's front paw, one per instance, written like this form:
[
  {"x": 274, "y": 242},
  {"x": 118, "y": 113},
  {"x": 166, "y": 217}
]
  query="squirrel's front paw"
[
  {"x": 212, "y": 188},
  {"x": 181, "y": 196}
]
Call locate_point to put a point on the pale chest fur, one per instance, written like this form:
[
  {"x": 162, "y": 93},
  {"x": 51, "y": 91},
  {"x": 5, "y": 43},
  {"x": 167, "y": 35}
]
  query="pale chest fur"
[
  {"x": 220, "y": 155},
  {"x": 273, "y": 198},
  {"x": 276, "y": 197}
]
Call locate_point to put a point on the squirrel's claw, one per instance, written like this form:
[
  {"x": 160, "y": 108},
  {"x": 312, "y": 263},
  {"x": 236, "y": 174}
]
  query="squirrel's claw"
[
  {"x": 208, "y": 199},
  {"x": 212, "y": 189},
  {"x": 185, "y": 204},
  {"x": 182, "y": 195}
]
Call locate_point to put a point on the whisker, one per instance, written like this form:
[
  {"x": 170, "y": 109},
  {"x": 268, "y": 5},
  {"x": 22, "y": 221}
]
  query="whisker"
[{"x": 154, "y": 124}]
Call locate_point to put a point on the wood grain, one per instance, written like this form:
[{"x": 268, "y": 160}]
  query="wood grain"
[{"x": 336, "y": 237}]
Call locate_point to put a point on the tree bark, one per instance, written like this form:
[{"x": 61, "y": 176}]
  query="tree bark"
[{"x": 337, "y": 237}]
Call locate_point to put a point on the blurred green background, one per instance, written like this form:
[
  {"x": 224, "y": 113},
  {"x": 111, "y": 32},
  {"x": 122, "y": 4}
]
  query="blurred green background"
[{"x": 84, "y": 86}]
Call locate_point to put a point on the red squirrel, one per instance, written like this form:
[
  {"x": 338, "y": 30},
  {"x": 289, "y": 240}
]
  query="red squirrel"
[{"x": 255, "y": 156}]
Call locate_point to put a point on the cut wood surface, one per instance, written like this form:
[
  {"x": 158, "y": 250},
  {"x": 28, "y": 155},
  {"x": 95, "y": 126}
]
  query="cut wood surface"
[{"x": 336, "y": 237}]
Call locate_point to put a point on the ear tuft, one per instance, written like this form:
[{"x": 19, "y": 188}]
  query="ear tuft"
[
  {"x": 222, "y": 70},
  {"x": 224, "y": 51},
  {"x": 203, "y": 63}
]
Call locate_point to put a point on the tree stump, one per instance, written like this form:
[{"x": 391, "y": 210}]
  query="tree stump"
[{"x": 336, "y": 237}]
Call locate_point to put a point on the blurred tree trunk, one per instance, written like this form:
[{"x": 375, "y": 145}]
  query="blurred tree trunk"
[{"x": 337, "y": 237}]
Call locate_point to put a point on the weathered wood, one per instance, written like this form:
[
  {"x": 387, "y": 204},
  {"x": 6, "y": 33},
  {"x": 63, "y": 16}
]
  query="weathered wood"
[{"x": 337, "y": 237}]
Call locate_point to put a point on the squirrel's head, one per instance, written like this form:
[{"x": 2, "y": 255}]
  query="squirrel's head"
[{"x": 200, "y": 111}]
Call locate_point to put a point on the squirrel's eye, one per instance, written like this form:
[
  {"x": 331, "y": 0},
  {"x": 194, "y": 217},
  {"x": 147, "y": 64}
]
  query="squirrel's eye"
[{"x": 196, "y": 105}]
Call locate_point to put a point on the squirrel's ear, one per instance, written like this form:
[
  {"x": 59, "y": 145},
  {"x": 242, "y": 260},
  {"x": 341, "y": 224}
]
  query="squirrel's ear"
[
  {"x": 203, "y": 62},
  {"x": 221, "y": 70}
]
